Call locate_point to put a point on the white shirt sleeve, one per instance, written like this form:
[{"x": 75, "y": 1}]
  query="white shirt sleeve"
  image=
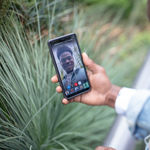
[{"x": 123, "y": 100}]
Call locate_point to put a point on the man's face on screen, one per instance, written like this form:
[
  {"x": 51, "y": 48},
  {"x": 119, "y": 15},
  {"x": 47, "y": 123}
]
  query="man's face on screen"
[{"x": 67, "y": 61}]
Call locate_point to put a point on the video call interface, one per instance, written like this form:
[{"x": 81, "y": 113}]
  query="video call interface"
[{"x": 71, "y": 69}]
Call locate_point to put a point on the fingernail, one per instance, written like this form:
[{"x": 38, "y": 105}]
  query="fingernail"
[
  {"x": 52, "y": 78},
  {"x": 64, "y": 101},
  {"x": 84, "y": 53}
]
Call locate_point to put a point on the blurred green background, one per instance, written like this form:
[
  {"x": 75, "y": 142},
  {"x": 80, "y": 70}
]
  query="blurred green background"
[{"x": 115, "y": 33}]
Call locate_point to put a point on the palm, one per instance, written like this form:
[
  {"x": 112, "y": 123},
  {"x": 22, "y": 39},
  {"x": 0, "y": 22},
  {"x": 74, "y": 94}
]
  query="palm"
[{"x": 100, "y": 84}]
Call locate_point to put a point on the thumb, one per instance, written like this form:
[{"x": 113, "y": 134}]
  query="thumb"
[{"x": 90, "y": 64}]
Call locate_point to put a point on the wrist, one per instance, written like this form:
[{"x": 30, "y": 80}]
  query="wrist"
[{"x": 111, "y": 96}]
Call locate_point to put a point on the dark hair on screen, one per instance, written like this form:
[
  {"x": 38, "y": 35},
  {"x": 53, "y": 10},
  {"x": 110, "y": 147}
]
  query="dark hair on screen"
[{"x": 63, "y": 49}]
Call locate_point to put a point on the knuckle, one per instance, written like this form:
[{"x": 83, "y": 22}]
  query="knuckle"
[{"x": 102, "y": 69}]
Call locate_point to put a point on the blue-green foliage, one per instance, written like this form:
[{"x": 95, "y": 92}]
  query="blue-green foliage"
[{"x": 32, "y": 116}]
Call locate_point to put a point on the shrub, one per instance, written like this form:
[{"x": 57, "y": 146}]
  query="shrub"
[{"x": 32, "y": 116}]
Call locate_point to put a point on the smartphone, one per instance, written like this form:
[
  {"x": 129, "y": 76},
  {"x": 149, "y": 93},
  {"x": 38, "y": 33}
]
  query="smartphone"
[{"x": 67, "y": 59}]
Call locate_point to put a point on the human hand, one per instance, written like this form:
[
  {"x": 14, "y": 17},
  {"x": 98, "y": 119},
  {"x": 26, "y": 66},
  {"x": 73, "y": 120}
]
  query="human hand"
[
  {"x": 102, "y": 91},
  {"x": 104, "y": 148}
]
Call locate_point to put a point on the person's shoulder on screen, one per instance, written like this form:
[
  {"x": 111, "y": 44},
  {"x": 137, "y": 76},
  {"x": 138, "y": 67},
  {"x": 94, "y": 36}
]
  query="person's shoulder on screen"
[{"x": 80, "y": 72}]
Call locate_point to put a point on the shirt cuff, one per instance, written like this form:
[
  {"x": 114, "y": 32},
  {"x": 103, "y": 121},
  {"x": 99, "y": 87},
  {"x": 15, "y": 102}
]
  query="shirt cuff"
[{"x": 123, "y": 100}]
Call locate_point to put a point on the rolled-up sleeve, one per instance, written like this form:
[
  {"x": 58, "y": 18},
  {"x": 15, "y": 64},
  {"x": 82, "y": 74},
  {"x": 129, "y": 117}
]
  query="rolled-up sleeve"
[
  {"x": 135, "y": 106},
  {"x": 138, "y": 114}
]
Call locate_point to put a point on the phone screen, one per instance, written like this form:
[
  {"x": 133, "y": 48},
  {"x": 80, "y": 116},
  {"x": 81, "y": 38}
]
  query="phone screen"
[{"x": 69, "y": 65}]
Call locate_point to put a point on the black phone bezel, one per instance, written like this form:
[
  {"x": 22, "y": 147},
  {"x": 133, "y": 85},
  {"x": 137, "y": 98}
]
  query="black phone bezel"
[{"x": 62, "y": 39}]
